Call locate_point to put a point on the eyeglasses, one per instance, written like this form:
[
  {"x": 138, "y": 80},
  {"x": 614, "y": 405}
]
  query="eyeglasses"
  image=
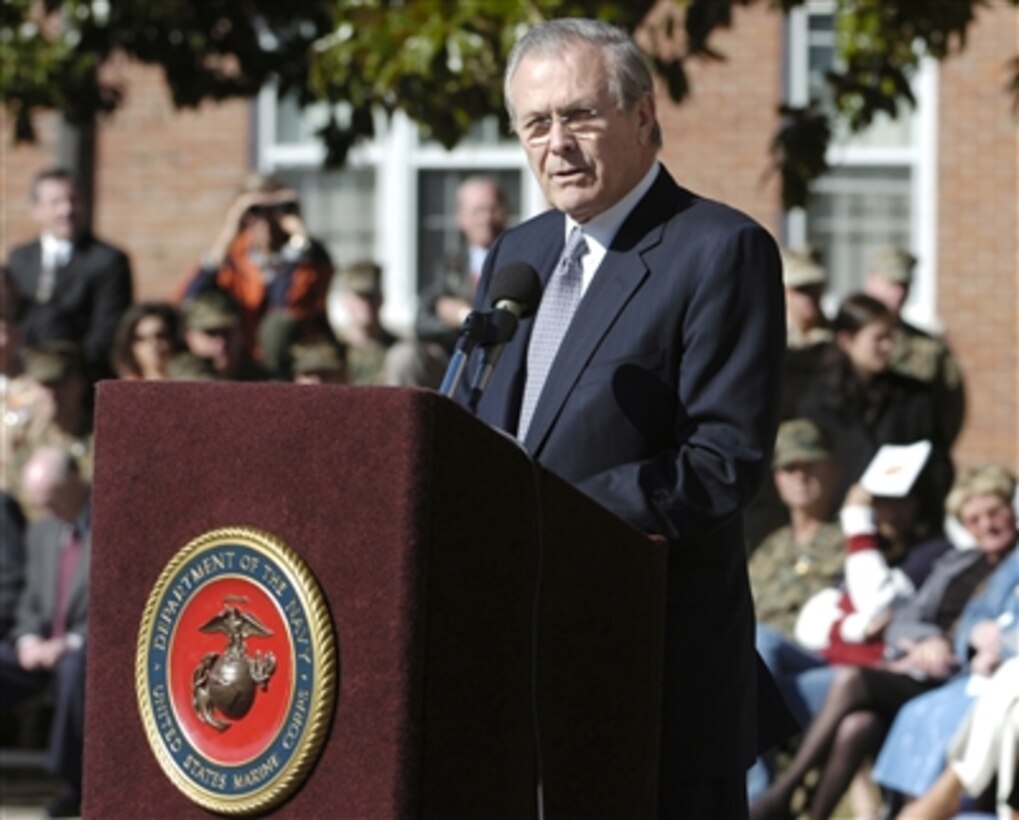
[{"x": 582, "y": 123}]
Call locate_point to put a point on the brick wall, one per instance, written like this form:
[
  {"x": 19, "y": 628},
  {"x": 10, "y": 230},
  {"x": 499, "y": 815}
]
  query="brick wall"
[
  {"x": 166, "y": 177},
  {"x": 716, "y": 142},
  {"x": 978, "y": 233},
  {"x": 18, "y": 165}
]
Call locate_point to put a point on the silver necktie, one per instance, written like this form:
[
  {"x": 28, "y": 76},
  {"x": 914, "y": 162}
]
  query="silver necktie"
[{"x": 558, "y": 304}]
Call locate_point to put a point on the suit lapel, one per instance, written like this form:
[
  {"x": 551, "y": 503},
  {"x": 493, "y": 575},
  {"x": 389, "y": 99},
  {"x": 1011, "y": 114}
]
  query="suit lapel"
[{"x": 621, "y": 273}]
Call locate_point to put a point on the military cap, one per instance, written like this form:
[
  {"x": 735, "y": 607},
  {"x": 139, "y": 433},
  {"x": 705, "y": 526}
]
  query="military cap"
[
  {"x": 317, "y": 357},
  {"x": 52, "y": 361},
  {"x": 799, "y": 440},
  {"x": 801, "y": 269},
  {"x": 893, "y": 264},
  {"x": 210, "y": 311},
  {"x": 363, "y": 278}
]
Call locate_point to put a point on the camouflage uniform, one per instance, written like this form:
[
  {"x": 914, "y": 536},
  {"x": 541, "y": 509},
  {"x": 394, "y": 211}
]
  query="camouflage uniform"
[
  {"x": 784, "y": 575},
  {"x": 927, "y": 359}
]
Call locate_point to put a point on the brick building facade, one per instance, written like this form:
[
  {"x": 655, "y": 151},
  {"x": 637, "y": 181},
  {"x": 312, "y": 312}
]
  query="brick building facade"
[{"x": 164, "y": 178}]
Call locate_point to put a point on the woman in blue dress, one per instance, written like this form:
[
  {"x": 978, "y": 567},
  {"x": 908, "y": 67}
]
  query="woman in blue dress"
[{"x": 913, "y": 754}]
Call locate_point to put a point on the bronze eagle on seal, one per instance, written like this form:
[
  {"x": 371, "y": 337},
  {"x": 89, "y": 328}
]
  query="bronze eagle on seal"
[{"x": 227, "y": 682}]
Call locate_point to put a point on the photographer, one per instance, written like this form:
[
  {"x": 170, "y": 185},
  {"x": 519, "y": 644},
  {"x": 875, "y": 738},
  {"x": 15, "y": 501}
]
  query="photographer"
[{"x": 267, "y": 262}]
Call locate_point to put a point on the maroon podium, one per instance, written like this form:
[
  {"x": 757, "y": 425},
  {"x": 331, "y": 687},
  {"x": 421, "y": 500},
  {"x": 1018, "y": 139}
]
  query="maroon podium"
[{"x": 491, "y": 622}]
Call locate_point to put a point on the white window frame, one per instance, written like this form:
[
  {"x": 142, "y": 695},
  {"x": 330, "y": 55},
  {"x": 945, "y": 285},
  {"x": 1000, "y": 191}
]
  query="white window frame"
[{"x": 920, "y": 158}]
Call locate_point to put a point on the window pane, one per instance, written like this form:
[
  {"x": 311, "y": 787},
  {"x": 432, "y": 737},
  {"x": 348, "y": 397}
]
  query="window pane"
[
  {"x": 853, "y": 212},
  {"x": 438, "y": 235},
  {"x": 338, "y": 208}
]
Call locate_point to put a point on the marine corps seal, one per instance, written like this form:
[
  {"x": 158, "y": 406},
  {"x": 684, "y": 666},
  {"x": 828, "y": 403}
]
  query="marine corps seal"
[{"x": 236, "y": 670}]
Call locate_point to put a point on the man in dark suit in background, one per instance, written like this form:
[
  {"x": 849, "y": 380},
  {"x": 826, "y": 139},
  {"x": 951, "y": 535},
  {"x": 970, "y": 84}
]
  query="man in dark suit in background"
[
  {"x": 73, "y": 286},
  {"x": 45, "y": 651},
  {"x": 481, "y": 216},
  {"x": 661, "y": 402}
]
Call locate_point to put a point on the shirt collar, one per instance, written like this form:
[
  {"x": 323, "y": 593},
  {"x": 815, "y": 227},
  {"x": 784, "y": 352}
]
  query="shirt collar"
[{"x": 603, "y": 228}]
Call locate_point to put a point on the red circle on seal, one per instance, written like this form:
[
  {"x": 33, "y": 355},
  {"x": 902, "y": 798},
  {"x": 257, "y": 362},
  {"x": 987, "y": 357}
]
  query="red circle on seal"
[{"x": 250, "y": 735}]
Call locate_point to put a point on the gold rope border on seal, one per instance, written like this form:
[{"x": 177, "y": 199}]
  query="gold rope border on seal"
[{"x": 323, "y": 692}]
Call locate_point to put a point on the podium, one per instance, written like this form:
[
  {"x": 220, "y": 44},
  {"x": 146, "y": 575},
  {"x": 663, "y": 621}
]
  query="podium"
[{"x": 493, "y": 626}]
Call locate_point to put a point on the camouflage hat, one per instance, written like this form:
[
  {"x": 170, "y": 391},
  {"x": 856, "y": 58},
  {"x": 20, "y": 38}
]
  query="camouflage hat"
[
  {"x": 893, "y": 264},
  {"x": 317, "y": 357},
  {"x": 801, "y": 269},
  {"x": 799, "y": 440},
  {"x": 52, "y": 361},
  {"x": 210, "y": 311},
  {"x": 363, "y": 278}
]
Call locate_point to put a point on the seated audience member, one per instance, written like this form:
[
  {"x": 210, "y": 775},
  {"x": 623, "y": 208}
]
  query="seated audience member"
[
  {"x": 267, "y": 262},
  {"x": 61, "y": 417},
  {"x": 366, "y": 339},
  {"x": 985, "y": 748},
  {"x": 860, "y": 404},
  {"x": 914, "y": 752},
  {"x": 147, "y": 338},
  {"x": 45, "y": 651},
  {"x": 862, "y": 701},
  {"x": 24, "y": 401},
  {"x": 320, "y": 362},
  {"x": 805, "y": 556},
  {"x": 212, "y": 332},
  {"x": 843, "y": 623},
  {"x": 915, "y": 353},
  {"x": 12, "y": 559},
  {"x": 808, "y": 329}
]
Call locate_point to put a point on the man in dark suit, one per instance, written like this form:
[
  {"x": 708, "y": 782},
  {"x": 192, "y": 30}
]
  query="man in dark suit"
[
  {"x": 443, "y": 305},
  {"x": 73, "y": 286},
  {"x": 45, "y": 651},
  {"x": 662, "y": 400}
]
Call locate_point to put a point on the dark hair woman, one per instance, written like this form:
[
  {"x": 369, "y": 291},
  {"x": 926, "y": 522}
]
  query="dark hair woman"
[
  {"x": 861, "y": 404},
  {"x": 147, "y": 337}
]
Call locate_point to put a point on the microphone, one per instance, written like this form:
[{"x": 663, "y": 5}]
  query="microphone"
[{"x": 515, "y": 292}]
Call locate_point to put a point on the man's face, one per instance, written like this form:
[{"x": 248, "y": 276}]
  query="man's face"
[
  {"x": 805, "y": 484},
  {"x": 219, "y": 346},
  {"x": 803, "y": 305},
  {"x": 891, "y": 294},
  {"x": 588, "y": 165},
  {"x": 56, "y": 208},
  {"x": 480, "y": 213}
]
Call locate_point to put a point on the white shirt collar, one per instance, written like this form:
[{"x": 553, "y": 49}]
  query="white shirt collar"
[
  {"x": 56, "y": 250},
  {"x": 600, "y": 230}
]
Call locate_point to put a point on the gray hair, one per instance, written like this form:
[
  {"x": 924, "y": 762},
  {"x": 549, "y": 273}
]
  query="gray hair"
[
  {"x": 987, "y": 479},
  {"x": 629, "y": 75}
]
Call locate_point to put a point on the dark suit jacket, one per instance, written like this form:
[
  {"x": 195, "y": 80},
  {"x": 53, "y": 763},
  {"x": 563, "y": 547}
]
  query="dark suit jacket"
[
  {"x": 662, "y": 405},
  {"x": 92, "y": 292},
  {"x": 37, "y": 605}
]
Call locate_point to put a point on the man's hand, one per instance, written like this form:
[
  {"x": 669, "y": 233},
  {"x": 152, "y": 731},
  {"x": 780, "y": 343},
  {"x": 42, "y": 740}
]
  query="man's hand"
[
  {"x": 40, "y": 653},
  {"x": 932, "y": 656}
]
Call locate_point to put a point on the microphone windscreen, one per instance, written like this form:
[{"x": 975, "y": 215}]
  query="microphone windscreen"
[{"x": 516, "y": 282}]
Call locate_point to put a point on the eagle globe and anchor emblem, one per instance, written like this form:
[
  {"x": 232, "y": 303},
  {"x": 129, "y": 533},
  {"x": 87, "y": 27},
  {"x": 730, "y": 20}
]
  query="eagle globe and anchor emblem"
[
  {"x": 228, "y": 681},
  {"x": 236, "y": 670}
]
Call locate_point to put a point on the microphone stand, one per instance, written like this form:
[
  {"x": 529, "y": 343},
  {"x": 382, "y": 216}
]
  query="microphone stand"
[
  {"x": 472, "y": 332},
  {"x": 501, "y": 326}
]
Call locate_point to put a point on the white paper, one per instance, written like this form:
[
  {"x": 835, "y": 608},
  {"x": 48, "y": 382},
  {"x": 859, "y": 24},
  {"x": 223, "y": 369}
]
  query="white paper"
[{"x": 894, "y": 469}]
